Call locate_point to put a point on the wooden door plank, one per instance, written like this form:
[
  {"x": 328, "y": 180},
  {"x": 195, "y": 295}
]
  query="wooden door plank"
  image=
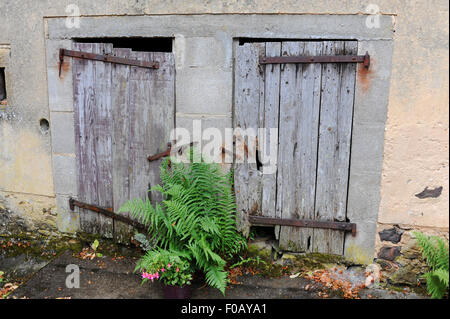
[
  {"x": 161, "y": 119},
  {"x": 333, "y": 153},
  {"x": 84, "y": 108},
  {"x": 269, "y": 113},
  {"x": 151, "y": 120},
  {"x": 103, "y": 137},
  {"x": 248, "y": 94},
  {"x": 299, "y": 118},
  {"x": 121, "y": 142},
  {"x": 139, "y": 119}
]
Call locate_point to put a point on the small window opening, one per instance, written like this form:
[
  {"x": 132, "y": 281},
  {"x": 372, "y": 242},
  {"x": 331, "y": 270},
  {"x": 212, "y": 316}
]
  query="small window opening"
[
  {"x": 2, "y": 86},
  {"x": 135, "y": 44}
]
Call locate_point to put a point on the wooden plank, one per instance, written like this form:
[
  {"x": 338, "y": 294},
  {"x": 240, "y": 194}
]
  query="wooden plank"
[
  {"x": 84, "y": 104},
  {"x": 333, "y": 152},
  {"x": 151, "y": 119},
  {"x": 269, "y": 112},
  {"x": 162, "y": 118},
  {"x": 248, "y": 94},
  {"x": 139, "y": 102},
  {"x": 103, "y": 137},
  {"x": 299, "y": 118},
  {"x": 121, "y": 142}
]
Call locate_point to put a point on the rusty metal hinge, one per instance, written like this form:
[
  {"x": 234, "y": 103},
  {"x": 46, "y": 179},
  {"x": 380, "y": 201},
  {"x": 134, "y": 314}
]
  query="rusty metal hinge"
[
  {"x": 104, "y": 58},
  {"x": 344, "y": 226},
  {"x": 105, "y": 211},
  {"x": 365, "y": 59}
]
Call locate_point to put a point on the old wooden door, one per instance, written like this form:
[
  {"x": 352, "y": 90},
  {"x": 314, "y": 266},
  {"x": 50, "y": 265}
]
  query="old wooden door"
[
  {"x": 123, "y": 114},
  {"x": 312, "y": 107}
]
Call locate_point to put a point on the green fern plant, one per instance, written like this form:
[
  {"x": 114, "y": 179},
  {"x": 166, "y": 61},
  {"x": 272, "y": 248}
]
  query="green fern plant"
[
  {"x": 436, "y": 253},
  {"x": 197, "y": 216}
]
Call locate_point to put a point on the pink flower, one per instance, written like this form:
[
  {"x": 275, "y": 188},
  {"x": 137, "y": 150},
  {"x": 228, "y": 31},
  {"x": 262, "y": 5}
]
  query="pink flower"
[
  {"x": 178, "y": 269},
  {"x": 168, "y": 265},
  {"x": 163, "y": 270}
]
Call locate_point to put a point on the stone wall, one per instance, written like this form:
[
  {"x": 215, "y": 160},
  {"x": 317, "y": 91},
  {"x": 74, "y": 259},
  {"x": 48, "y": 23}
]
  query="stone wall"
[{"x": 415, "y": 138}]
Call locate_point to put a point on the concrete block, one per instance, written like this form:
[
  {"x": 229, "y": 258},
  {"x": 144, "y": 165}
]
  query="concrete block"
[
  {"x": 206, "y": 123},
  {"x": 367, "y": 148},
  {"x": 372, "y": 85},
  {"x": 200, "y": 90},
  {"x": 60, "y": 90},
  {"x": 63, "y": 132},
  {"x": 64, "y": 174},
  {"x": 204, "y": 52},
  {"x": 362, "y": 209},
  {"x": 67, "y": 221},
  {"x": 52, "y": 51}
]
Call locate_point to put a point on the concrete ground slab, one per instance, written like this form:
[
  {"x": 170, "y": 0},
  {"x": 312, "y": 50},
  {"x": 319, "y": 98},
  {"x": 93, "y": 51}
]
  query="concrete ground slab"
[{"x": 110, "y": 277}]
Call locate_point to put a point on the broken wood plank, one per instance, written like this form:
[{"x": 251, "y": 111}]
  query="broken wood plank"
[
  {"x": 247, "y": 99},
  {"x": 269, "y": 118}
]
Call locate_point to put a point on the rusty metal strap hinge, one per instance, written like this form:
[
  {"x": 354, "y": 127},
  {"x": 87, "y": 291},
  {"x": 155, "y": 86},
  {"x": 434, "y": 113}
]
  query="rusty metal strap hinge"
[
  {"x": 344, "y": 226},
  {"x": 365, "y": 59},
  {"x": 105, "y": 58},
  {"x": 106, "y": 212}
]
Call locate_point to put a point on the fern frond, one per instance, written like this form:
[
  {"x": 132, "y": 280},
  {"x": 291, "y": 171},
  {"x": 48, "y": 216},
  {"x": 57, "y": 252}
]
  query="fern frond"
[
  {"x": 436, "y": 253},
  {"x": 216, "y": 277}
]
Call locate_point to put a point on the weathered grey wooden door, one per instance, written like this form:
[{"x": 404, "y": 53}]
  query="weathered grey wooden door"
[
  {"x": 123, "y": 114},
  {"x": 312, "y": 107}
]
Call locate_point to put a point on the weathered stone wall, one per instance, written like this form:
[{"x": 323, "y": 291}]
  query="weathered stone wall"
[
  {"x": 416, "y": 135},
  {"x": 399, "y": 255}
]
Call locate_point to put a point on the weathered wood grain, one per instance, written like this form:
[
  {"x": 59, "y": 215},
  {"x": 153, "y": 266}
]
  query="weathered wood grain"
[
  {"x": 140, "y": 117},
  {"x": 312, "y": 106},
  {"x": 334, "y": 148},
  {"x": 162, "y": 109},
  {"x": 152, "y": 118},
  {"x": 84, "y": 109},
  {"x": 121, "y": 142},
  {"x": 299, "y": 118},
  {"x": 103, "y": 130},
  {"x": 269, "y": 117},
  {"x": 247, "y": 98},
  {"x": 123, "y": 114}
]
